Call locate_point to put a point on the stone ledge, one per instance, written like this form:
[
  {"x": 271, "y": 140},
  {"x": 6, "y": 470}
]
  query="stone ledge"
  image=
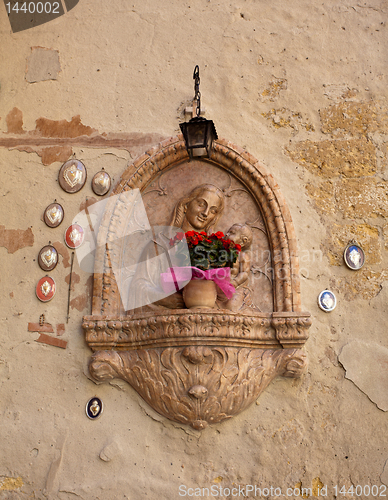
[{"x": 203, "y": 327}]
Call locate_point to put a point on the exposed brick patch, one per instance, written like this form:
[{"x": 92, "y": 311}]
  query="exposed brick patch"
[
  {"x": 82, "y": 301},
  {"x": 53, "y": 140},
  {"x": 50, "y": 154},
  {"x": 46, "y": 339},
  {"x": 75, "y": 279},
  {"x": 36, "y": 327},
  {"x": 15, "y": 239},
  {"x": 60, "y": 329},
  {"x": 62, "y": 128},
  {"x": 14, "y": 121}
]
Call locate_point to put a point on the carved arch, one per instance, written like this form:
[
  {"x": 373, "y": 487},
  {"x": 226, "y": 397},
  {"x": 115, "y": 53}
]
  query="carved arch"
[{"x": 251, "y": 173}]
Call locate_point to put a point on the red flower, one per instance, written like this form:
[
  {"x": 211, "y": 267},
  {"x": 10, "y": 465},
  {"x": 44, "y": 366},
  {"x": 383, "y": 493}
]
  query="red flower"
[
  {"x": 180, "y": 236},
  {"x": 215, "y": 249},
  {"x": 238, "y": 247}
]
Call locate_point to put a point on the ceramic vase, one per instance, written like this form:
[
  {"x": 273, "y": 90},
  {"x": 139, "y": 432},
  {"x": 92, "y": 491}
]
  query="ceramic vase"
[{"x": 200, "y": 294}]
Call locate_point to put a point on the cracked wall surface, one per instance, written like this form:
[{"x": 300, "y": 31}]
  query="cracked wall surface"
[{"x": 302, "y": 86}]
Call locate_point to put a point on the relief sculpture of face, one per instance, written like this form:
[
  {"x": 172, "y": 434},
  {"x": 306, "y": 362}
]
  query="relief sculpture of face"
[{"x": 202, "y": 210}]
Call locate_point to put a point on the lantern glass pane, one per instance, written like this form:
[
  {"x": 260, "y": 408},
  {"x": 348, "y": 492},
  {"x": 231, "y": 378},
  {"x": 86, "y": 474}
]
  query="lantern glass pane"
[{"x": 196, "y": 135}]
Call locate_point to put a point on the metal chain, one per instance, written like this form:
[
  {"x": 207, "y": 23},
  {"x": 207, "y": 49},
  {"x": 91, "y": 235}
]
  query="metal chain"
[{"x": 197, "y": 95}]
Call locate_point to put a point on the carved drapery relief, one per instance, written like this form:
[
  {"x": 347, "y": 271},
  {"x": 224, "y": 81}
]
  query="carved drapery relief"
[{"x": 199, "y": 367}]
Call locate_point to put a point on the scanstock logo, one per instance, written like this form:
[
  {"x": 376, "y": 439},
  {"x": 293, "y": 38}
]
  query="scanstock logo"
[{"x": 26, "y": 15}]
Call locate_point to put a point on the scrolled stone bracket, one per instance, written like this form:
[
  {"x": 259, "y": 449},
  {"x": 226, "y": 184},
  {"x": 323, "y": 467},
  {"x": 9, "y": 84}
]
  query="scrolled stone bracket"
[
  {"x": 198, "y": 385},
  {"x": 291, "y": 328}
]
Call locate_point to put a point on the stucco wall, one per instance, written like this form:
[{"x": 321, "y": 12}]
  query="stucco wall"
[{"x": 300, "y": 85}]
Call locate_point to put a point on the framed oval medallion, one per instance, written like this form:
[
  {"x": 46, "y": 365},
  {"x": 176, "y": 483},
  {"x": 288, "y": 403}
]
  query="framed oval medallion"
[
  {"x": 48, "y": 258},
  {"x": 327, "y": 301},
  {"x": 53, "y": 215},
  {"x": 101, "y": 183},
  {"x": 45, "y": 289},
  {"x": 354, "y": 256},
  {"x": 94, "y": 408},
  {"x": 74, "y": 236},
  {"x": 72, "y": 176}
]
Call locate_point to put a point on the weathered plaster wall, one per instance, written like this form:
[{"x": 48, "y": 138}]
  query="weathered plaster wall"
[{"x": 302, "y": 86}]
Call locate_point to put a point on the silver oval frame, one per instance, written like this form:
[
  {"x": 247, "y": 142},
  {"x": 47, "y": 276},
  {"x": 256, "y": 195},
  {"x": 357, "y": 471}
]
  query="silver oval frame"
[
  {"x": 46, "y": 217},
  {"x": 354, "y": 256},
  {"x": 99, "y": 188},
  {"x": 89, "y": 413},
  {"x": 322, "y": 297},
  {"x": 68, "y": 184},
  {"x": 52, "y": 291},
  {"x": 42, "y": 264},
  {"x": 81, "y": 231}
]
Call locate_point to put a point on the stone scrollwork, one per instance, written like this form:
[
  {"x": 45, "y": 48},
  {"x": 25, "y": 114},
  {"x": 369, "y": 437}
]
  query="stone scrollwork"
[
  {"x": 291, "y": 330},
  {"x": 202, "y": 366},
  {"x": 198, "y": 385}
]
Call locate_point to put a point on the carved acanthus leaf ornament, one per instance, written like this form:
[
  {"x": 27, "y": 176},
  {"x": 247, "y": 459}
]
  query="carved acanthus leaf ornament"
[{"x": 198, "y": 385}]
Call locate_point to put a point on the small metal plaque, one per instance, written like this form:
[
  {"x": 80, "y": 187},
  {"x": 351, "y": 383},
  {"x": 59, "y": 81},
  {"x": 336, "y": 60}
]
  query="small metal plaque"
[
  {"x": 327, "y": 301},
  {"x": 53, "y": 215},
  {"x": 94, "y": 408},
  {"x": 72, "y": 176},
  {"x": 48, "y": 258},
  {"x": 354, "y": 256},
  {"x": 74, "y": 236},
  {"x": 45, "y": 289},
  {"x": 101, "y": 183}
]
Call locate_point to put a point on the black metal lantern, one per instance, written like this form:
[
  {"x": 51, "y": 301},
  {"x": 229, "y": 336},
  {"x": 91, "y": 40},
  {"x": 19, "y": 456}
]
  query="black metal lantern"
[{"x": 198, "y": 133}]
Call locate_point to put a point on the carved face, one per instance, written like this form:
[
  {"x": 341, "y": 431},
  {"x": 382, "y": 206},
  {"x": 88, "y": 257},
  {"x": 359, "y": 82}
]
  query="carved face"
[
  {"x": 202, "y": 210},
  {"x": 239, "y": 234}
]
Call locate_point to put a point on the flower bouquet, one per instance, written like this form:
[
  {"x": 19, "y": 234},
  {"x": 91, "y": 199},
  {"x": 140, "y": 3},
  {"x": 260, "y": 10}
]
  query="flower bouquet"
[
  {"x": 212, "y": 251},
  {"x": 209, "y": 259}
]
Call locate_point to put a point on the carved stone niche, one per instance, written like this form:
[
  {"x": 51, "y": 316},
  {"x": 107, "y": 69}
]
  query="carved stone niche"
[{"x": 201, "y": 366}]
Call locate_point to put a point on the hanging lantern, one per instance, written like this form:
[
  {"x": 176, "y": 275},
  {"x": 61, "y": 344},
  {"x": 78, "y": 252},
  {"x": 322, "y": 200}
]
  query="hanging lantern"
[{"x": 198, "y": 133}]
